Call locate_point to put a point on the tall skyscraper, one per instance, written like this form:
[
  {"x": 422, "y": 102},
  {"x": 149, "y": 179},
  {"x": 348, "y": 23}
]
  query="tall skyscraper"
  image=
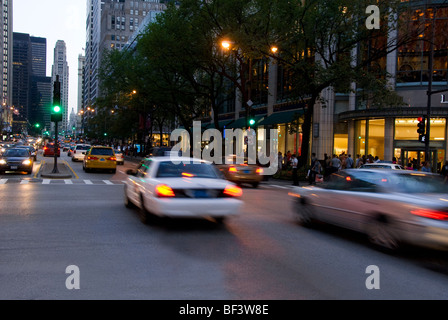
[
  {"x": 110, "y": 25},
  {"x": 6, "y": 65},
  {"x": 93, "y": 32},
  {"x": 39, "y": 56},
  {"x": 60, "y": 68},
  {"x": 22, "y": 71}
]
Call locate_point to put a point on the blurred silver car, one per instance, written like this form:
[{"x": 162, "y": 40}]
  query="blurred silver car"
[
  {"x": 392, "y": 207},
  {"x": 382, "y": 165}
]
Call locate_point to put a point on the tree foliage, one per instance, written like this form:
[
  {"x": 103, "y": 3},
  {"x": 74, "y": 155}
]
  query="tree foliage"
[{"x": 180, "y": 71}]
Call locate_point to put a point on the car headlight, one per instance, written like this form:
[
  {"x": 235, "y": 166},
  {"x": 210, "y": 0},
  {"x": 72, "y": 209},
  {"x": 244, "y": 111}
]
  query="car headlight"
[
  {"x": 2, "y": 161},
  {"x": 26, "y": 162}
]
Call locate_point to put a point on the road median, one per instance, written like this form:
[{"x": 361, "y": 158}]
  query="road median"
[{"x": 63, "y": 170}]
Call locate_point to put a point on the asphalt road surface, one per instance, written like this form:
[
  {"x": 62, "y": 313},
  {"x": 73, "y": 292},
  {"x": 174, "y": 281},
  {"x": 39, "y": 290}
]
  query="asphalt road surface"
[{"x": 70, "y": 239}]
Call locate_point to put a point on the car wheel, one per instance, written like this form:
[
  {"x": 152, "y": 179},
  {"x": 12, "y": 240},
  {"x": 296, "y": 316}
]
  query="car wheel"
[
  {"x": 255, "y": 184},
  {"x": 127, "y": 202},
  {"x": 380, "y": 233},
  {"x": 145, "y": 216},
  {"x": 303, "y": 213},
  {"x": 29, "y": 172}
]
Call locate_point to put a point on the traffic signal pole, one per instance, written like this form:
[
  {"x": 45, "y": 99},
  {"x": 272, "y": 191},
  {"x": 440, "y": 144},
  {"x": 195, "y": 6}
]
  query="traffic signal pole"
[
  {"x": 56, "y": 147},
  {"x": 56, "y": 116}
]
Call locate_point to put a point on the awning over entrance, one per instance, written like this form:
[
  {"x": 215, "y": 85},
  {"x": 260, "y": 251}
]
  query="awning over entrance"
[
  {"x": 281, "y": 117},
  {"x": 241, "y": 122},
  {"x": 222, "y": 124}
]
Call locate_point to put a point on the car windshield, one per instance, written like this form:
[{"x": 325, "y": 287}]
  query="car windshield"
[
  {"x": 405, "y": 183},
  {"x": 102, "y": 152},
  {"x": 82, "y": 147},
  {"x": 16, "y": 153},
  {"x": 168, "y": 169}
]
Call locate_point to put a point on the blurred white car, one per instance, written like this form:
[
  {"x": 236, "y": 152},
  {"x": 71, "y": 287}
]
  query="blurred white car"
[
  {"x": 185, "y": 190},
  {"x": 119, "y": 155},
  {"x": 392, "y": 207},
  {"x": 80, "y": 151}
]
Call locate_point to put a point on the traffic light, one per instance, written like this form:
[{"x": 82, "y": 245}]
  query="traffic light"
[
  {"x": 421, "y": 128},
  {"x": 56, "y": 110},
  {"x": 251, "y": 121}
]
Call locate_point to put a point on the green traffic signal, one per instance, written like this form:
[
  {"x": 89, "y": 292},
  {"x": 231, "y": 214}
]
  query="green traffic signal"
[
  {"x": 56, "y": 109},
  {"x": 37, "y": 125},
  {"x": 251, "y": 122}
]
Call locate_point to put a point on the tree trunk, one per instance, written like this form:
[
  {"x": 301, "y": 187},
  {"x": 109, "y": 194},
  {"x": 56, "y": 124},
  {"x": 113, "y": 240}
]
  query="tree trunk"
[{"x": 306, "y": 131}]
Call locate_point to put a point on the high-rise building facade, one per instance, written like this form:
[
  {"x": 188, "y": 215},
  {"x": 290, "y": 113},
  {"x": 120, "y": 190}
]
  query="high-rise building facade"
[
  {"x": 39, "y": 56},
  {"x": 93, "y": 32},
  {"x": 6, "y": 65},
  {"x": 110, "y": 25},
  {"x": 60, "y": 69},
  {"x": 22, "y": 71}
]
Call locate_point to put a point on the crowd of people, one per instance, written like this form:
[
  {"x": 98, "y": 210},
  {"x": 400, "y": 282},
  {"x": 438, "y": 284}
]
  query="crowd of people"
[{"x": 321, "y": 169}]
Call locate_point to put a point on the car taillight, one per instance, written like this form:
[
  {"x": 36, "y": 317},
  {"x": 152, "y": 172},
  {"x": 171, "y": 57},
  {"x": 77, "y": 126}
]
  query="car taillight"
[
  {"x": 162, "y": 190},
  {"x": 92, "y": 158},
  {"x": 112, "y": 159},
  {"x": 233, "y": 191},
  {"x": 259, "y": 170},
  {"x": 232, "y": 169},
  {"x": 431, "y": 214}
]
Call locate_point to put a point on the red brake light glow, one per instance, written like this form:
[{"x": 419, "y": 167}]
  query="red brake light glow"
[
  {"x": 162, "y": 190},
  {"x": 112, "y": 158},
  {"x": 431, "y": 214},
  {"x": 233, "y": 191},
  {"x": 92, "y": 158},
  {"x": 232, "y": 169},
  {"x": 259, "y": 170}
]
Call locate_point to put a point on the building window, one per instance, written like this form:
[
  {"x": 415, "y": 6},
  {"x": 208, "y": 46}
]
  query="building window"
[{"x": 412, "y": 64}]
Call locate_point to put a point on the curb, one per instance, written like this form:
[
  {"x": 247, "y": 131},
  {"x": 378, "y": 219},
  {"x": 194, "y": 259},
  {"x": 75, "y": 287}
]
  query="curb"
[{"x": 47, "y": 168}]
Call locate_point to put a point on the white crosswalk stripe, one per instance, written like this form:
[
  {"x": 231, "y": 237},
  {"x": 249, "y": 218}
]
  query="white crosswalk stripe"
[{"x": 60, "y": 182}]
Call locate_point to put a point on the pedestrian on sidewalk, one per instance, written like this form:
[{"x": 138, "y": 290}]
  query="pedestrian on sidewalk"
[{"x": 294, "y": 164}]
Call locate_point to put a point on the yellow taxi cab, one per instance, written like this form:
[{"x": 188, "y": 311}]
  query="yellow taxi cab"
[
  {"x": 100, "y": 157},
  {"x": 237, "y": 170}
]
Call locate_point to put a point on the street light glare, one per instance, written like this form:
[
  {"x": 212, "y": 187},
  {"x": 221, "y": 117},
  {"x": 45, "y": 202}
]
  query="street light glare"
[
  {"x": 225, "y": 44},
  {"x": 274, "y": 49}
]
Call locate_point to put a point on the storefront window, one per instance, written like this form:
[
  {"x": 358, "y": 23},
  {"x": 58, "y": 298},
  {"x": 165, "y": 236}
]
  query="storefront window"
[
  {"x": 340, "y": 143},
  {"x": 360, "y": 137},
  {"x": 375, "y": 142},
  {"x": 406, "y": 129}
]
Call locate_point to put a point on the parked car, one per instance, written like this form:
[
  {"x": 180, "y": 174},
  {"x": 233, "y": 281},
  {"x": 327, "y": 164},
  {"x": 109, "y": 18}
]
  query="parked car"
[
  {"x": 32, "y": 150},
  {"x": 48, "y": 150},
  {"x": 16, "y": 159},
  {"x": 80, "y": 151},
  {"x": 100, "y": 158},
  {"x": 119, "y": 155},
  {"x": 238, "y": 170},
  {"x": 181, "y": 189},
  {"x": 382, "y": 165},
  {"x": 392, "y": 207}
]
